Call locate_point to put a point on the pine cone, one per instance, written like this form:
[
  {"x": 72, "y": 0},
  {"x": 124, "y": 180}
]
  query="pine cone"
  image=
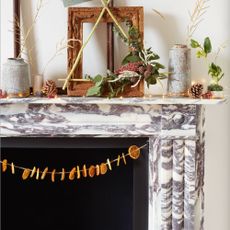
[
  {"x": 196, "y": 90},
  {"x": 49, "y": 89}
]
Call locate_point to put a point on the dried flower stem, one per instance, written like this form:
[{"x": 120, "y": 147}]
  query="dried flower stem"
[
  {"x": 63, "y": 45},
  {"x": 221, "y": 47},
  {"x": 196, "y": 17},
  {"x": 28, "y": 32}
]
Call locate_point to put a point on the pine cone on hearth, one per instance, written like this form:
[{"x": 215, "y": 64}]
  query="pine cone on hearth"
[
  {"x": 196, "y": 90},
  {"x": 49, "y": 89}
]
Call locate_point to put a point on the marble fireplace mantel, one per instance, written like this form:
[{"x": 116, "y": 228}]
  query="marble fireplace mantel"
[{"x": 174, "y": 126}]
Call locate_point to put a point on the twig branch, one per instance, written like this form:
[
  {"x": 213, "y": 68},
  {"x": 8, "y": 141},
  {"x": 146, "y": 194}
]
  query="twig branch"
[
  {"x": 59, "y": 48},
  {"x": 196, "y": 17}
]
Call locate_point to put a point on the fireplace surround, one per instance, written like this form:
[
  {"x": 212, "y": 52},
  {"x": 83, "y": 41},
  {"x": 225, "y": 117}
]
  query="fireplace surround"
[{"x": 174, "y": 129}]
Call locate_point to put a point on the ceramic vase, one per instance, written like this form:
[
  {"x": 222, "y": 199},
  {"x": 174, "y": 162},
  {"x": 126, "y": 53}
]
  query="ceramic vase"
[
  {"x": 179, "y": 80},
  {"x": 15, "y": 78}
]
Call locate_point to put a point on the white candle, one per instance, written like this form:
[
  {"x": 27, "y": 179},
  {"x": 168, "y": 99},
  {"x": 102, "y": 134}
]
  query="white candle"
[{"x": 38, "y": 84}]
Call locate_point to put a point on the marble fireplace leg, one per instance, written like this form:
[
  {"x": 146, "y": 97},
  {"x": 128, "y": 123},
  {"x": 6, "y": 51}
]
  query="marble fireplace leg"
[
  {"x": 189, "y": 184},
  {"x": 176, "y": 180},
  {"x": 166, "y": 183},
  {"x": 178, "y": 185}
]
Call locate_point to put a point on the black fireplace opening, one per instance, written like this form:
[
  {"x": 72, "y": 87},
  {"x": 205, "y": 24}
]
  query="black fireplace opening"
[{"x": 117, "y": 200}]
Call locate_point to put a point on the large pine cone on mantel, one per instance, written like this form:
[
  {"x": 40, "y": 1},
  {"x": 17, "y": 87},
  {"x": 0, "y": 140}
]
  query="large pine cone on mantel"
[{"x": 49, "y": 89}]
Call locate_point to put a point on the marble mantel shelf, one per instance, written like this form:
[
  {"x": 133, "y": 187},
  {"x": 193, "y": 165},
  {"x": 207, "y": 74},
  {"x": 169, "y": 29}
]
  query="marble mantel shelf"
[{"x": 113, "y": 101}]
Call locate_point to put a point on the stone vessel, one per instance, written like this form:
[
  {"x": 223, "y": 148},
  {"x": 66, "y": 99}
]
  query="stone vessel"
[
  {"x": 179, "y": 80},
  {"x": 15, "y": 78}
]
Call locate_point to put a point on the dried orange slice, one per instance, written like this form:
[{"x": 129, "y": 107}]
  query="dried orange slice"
[
  {"x": 12, "y": 168},
  {"x": 25, "y": 174},
  {"x": 103, "y": 168},
  {"x": 37, "y": 174},
  {"x": 53, "y": 175},
  {"x": 72, "y": 173},
  {"x": 109, "y": 164},
  {"x": 44, "y": 173},
  {"x": 63, "y": 174},
  {"x": 124, "y": 159},
  {"x": 78, "y": 172},
  {"x": 97, "y": 170},
  {"x": 92, "y": 171},
  {"x": 33, "y": 172},
  {"x": 4, "y": 165},
  {"x": 118, "y": 160},
  {"x": 84, "y": 171},
  {"x": 134, "y": 152}
]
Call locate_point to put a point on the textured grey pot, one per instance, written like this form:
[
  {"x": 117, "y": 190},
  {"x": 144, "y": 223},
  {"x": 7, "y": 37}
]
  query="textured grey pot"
[
  {"x": 179, "y": 80},
  {"x": 15, "y": 78}
]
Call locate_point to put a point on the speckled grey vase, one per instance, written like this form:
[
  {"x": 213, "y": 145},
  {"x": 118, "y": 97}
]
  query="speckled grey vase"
[
  {"x": 15, "y": 78},
  {"x": 179, "y": 80}
]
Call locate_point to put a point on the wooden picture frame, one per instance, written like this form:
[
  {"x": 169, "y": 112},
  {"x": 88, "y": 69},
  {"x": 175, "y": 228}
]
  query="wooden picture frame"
[
  {"x": 17, "y": 35},
  {"x": 79, "y": 15}
]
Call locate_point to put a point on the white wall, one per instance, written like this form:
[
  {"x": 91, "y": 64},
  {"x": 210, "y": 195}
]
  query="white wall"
[{"x": 161, "y": 35}]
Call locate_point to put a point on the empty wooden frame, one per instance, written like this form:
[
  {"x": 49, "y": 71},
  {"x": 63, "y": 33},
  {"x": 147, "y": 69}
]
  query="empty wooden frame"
[{"x": 79, "y": 15}]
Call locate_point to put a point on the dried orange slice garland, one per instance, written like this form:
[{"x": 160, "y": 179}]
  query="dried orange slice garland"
[
  {"x": 134, "y": 152},
  {"x": 76, "y": 173}
]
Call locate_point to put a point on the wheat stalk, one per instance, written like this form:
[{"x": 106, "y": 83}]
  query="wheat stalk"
[
  {"x": 61, "y": 46},
  {"x": 27, "y": 33},
  {"x": 196, "y": 17}
]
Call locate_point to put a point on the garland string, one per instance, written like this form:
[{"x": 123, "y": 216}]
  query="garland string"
[{"x": 133, "y": 152}]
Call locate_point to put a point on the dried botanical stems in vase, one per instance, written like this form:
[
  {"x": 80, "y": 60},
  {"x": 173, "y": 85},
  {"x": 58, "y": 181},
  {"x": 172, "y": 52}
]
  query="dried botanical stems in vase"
[{"x": 24, "y": 34}]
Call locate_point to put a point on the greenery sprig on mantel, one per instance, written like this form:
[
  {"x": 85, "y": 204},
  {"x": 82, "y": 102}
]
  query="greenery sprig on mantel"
[
  {"x": 214, "y": 70},
  {"x": 139, "y": 64}
]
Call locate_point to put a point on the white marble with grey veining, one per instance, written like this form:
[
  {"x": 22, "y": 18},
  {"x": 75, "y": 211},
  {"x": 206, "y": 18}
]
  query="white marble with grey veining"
[{"x": 176, "y": 144}]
